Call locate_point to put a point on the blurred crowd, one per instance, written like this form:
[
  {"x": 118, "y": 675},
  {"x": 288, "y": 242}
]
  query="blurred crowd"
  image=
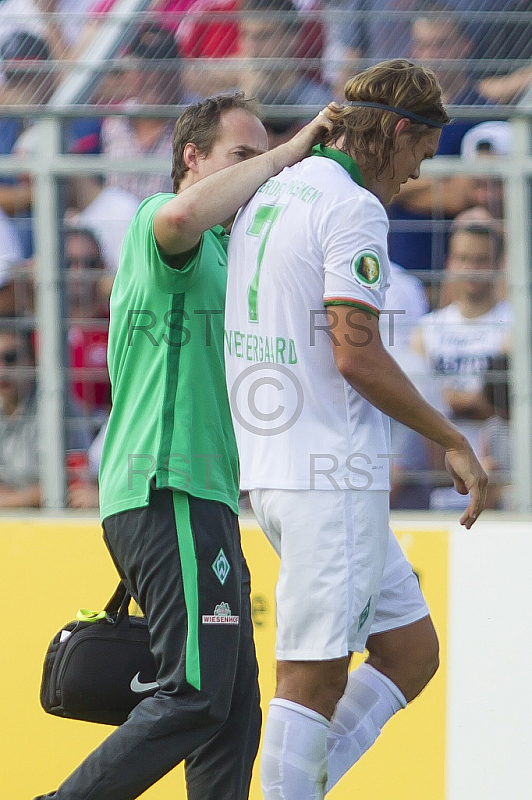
[{"x": 448, "y": 322}]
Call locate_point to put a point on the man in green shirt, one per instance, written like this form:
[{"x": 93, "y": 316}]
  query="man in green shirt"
[{"x": 169, "y": 470}]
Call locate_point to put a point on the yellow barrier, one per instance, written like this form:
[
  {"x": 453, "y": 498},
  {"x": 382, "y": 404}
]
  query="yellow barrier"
[{"x": 51, "y": 568}]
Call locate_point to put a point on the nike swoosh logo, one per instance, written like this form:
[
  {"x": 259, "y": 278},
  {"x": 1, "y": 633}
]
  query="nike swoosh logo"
[{"x": 139, "y": 688}]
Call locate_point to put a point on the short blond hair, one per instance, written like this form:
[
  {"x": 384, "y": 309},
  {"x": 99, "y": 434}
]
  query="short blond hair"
[{"x": 368, "y": 132}]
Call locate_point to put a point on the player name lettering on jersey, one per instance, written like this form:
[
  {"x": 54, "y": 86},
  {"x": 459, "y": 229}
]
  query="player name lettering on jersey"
[
  {"x": 251, "y": 347},
  {"x": 303, "y": 191}
]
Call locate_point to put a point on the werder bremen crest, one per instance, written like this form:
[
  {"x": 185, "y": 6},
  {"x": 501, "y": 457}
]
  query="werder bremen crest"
[
  {"x": 221, "y": 566},
  {"x": 366, "y": 268},
  {"x": 365, "y": 613}
]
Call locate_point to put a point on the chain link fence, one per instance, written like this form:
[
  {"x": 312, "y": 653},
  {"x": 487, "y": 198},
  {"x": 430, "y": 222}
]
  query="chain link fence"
[{"x": 89, "y": 95}]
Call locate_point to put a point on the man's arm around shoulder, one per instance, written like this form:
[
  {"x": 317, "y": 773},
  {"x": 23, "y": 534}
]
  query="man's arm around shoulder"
[{"x": 215, "y": 199}]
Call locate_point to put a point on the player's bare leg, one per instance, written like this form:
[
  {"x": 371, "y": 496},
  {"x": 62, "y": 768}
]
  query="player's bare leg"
[
  {"x": 400, "y": 664},
  {"x": 294, "y": 753},
  {"x": 408, "y": 656}
]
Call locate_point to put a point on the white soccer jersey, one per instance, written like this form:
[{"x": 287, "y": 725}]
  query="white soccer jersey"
[
  {"x": 310, "y": 237},
  {"x": 459, "y": 347}
]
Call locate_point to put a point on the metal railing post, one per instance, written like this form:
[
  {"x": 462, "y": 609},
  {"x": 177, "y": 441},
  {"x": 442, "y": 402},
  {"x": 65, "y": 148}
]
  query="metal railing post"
[
  {"x": 50, "y": 380},
  {"x": 518, "y": 247}
]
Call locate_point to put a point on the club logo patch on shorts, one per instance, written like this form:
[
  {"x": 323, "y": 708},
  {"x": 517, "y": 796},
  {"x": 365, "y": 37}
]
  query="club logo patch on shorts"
[
  {"x": 221, "y": 566},
  {"x": 363, "y": 617},
  {"x": 366, "y": 268},
  {"x": 222, "y": 616}
]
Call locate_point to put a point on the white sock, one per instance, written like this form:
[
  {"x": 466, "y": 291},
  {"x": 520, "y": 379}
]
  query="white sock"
[
  {"x": 370, "y": 699},
  {"x": 294, "y": 752}
]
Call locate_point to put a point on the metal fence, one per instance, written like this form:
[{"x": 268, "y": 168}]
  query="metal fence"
[
  {"x": 286, "y": 52},
  {"x": 109, "y": 66}
]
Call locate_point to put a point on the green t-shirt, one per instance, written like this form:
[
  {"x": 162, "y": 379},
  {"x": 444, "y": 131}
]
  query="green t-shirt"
[{"x": 170, "y": 419}]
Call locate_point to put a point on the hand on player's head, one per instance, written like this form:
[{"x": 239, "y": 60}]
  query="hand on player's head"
[
  {"x": 312, "y": 133},
  {"x": 324, "y": 120}
]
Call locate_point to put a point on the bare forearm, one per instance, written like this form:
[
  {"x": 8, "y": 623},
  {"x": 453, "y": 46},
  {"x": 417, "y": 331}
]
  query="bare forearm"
[
  {"x": 216, "y": 198},
  {"x": 213, "y": 200},
  {"x": 505, "y": 88},
  {"x": 385, "y": 385},
  {"x": 369, "y": 368}
]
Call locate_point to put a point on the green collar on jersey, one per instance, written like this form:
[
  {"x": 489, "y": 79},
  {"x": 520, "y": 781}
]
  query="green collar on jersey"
[{"x": 343, "y": 159}]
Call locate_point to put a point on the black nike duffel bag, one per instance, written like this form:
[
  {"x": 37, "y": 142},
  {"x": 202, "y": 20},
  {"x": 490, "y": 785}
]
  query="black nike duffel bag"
[{"x": 99, "y": 667}]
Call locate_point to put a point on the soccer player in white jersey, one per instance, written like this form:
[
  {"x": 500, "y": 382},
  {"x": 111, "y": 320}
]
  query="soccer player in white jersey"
[{"x": 311, "y": 384}]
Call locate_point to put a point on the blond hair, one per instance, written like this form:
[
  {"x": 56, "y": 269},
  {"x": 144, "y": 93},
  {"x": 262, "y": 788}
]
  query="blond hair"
[{"x": 368, "y": 132}]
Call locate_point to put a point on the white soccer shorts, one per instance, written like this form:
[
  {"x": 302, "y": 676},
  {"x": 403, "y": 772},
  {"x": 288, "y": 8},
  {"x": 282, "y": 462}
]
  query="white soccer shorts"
[{"x": 343, "y": 575}]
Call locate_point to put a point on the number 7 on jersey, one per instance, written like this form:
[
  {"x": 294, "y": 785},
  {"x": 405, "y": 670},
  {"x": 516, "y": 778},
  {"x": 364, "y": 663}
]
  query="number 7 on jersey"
[{"x": 262, "y": 224}]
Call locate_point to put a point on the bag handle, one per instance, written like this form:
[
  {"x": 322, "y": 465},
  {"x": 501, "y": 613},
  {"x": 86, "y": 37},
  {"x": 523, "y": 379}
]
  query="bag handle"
[
  {"x": 120, "y": 598},
  {"x": 115, "y": 610}
]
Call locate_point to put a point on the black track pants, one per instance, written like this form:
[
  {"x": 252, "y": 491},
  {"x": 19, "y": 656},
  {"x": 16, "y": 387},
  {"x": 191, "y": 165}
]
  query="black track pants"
[{"x": 180, "y": 557}]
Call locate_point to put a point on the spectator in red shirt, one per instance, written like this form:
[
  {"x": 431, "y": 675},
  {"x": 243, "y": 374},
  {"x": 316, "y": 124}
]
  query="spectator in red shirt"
[
  {"x": 210, "y": 29},
  {"x": 20, "y": 450},
  {"x": 87, "y": 328}
]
